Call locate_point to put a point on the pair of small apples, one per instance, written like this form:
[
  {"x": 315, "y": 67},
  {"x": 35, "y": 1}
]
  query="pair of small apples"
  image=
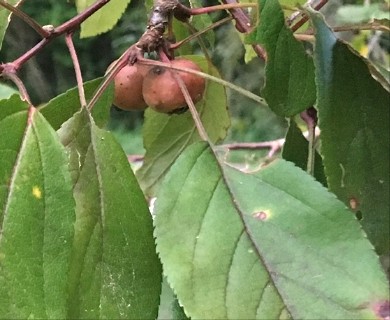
[{"x": 139, "y": 86}]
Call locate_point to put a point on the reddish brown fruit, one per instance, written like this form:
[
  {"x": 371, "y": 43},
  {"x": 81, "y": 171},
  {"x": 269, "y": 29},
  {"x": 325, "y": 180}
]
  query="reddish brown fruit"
[
  {"x": 128, "y": 88},
  {"x": 162, "y": 92}
]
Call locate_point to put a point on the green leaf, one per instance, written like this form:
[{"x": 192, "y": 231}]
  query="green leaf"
[
  {"x": 262, "y": 245},
  {"x": 181, "y": 32},
  {"x": 115, "y": 270},
  {"x": 36, "y": 216},
  {"x": 354, "y": 118},
  {"x": 61, "y": 108},
  {"x": 169, "y": 305},
  {"x": 202, "y": 21},
  {"x": 4, "y": 19},
  {"x": 102, "y": 20},
  {"x": 289, "y": 72},
  {"x": 166, "y": 136},
  {"x": 6, "y": 91},
  {"x": 296, "y": 150}
]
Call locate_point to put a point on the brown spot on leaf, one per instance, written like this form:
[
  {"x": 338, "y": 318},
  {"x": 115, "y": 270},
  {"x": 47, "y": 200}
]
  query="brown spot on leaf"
[
  {"x": 353, "y": 203},
  {"x": 382, "y": 310},
  {"x": 260, "y": 215}
]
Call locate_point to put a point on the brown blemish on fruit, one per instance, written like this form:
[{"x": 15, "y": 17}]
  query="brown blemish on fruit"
[{"x": 161, "y": 90}]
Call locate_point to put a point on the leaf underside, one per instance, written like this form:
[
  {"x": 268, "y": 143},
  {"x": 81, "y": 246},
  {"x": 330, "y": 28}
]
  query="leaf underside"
[
  {"x": 354, "y": 118},
  {"x": 290, "y": 86}
]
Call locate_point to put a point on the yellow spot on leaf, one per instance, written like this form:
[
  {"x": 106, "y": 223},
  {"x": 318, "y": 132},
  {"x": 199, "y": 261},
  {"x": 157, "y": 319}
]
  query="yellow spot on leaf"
[{"x": 37, "y": 193}]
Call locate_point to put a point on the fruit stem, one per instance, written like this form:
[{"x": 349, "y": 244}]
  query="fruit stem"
[
  {"x": 195, "y": 115},
  {"x": 310, "y": 117},
  {"x": 76, "y": 65},
  {"x": 227, "y": 84},
  {"x": 110, "y": 75},
  {"x": 176, "y": 45},
  {"x": 203, "y": 10}
]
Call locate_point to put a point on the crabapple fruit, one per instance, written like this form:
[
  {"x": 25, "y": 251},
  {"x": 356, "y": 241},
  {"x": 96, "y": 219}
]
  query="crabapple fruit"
[
  {"x": 161, "y": 90},
  {"x": 128, "y": 88}
]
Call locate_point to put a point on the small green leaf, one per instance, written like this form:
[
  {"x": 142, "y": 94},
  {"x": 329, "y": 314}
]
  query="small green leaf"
[
  {"x": 63, "y": 107},
  {"x": 4, "y": 19},
  {"x": 115, "y": 271},
  {"x": 36, "y": 216},
  {"x": 181, "y": 32},
  {"x": 262, "y": 245},
  {"x": 166, "y": 136},
  {"x": 289, "y": 72},
  {"x": 354, "y": 118},
  {"x": 296, "y": 150},
  {"x": 102, "y": 20}
]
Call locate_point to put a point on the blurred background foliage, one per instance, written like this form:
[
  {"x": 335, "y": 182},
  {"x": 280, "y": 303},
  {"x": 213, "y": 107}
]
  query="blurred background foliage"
[{"x": 51, "y": 72}]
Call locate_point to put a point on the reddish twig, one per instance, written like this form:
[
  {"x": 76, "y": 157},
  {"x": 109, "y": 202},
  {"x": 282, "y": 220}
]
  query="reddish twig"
[
  {"x": 31, "y": 22},
  {"x": 11, "y": 75},
  {"x": 76, "y": 65},
  {"x": 305, "y": 17},
  {"x": 243, "y": 25},
  {"x": 68, "y": 26},
  {"x": 198, "y": 33}
]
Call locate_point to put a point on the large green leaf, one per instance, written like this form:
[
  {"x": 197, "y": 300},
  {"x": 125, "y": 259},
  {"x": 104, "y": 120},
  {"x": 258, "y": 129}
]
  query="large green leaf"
[
  {"x": 61, "y": 108},
  {"x": 262, "y": 245},
  {"x": 4, "y": 20},
  {"x": 115, "y": 270},
  {"x": 289, "y": 72},
  {"x": 166, "y": 136},
  {"x": 354, "y": 118},
  {"x": 36, "y": 216},
  {"x": 104, "y": 19}
]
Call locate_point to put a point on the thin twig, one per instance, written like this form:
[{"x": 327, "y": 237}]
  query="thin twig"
[
  {"x": 203, "y": 10},
  {"x": 198, "y": 33},
  {"x": 243, "y": 25},
  {"x": 305, "y": 17},
  {"x": 77, "y": 70},
  {"x": 22, "y": 89},
  {"x": 27, "y": 19},
  {"x": 68, "y": 26},
  {"x": 310, "y": 117},
  {"x": 201, "y": 43},
  {"x": 273, "y": 146},
  {"x": 110, "y": 75}
]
